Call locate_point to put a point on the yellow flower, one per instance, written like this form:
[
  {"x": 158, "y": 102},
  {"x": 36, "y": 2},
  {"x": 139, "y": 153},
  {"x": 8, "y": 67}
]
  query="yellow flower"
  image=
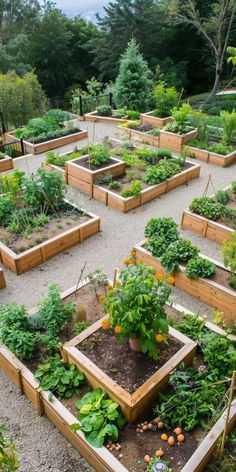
[
  {"x": 118, "y": 329},
  {"x": 110, "y": 287},
  {"x": 160, "y": 338},
  {"x": 106, "y": 325},
  {"x": 160, "y": 277},
  {"x": 133, "y": 253},
  {"x": 170, "y": 280},
  {"x": 101, "y": 298}
]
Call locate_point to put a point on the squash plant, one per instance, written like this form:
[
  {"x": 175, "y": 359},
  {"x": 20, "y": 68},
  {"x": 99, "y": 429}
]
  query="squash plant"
[
  {"x": 99, "y": 417},
  {"x": 136, "y": 307}
]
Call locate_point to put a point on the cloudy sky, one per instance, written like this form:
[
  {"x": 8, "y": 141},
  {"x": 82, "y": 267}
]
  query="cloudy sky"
[{"x": 87, "y": 8}]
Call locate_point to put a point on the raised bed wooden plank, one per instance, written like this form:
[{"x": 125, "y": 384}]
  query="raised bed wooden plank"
[
  {"x": 92, "y": 116},
  {"x": 206, "y": 290},
  {"x": 158, "y": 122},
  {"x": 205, "y": 227},
  {"x": 204, "y": 452},
  {"x": 174, "y": 141},
  {"x": 6, "y": 164},
  {"x": 2, "y": 280},
  {"x": 12, "y": 366}
]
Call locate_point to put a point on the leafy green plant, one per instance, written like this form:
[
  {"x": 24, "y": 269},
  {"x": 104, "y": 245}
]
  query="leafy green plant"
[
  {"x": 134, "y": 190},
  {"x": 229, "y": 254},
  {"x": 61, "y": 380},
  {"x": 99, "y": 155},
  {"x": 229, "y": 126},
  {"x": 155, "y": 175},
  {"x": 99, "y": 418},
  {"x": 81, "y": 326},
  {"x": 165, "y": 98},
  {"x": 7, "y": 206},
  {"x": 192, "y": 326},
  {"x": 59, "y": 116},
  {"x": 220, "y": 148},
  {"x": 15, "y": 330},
  {"x": 162, "y": 227},
  {"x": 44, "y": 191},
  {"x": 193, "y": 400},
  {"x": 207, "y": 207},
  {"x": 136, "y": 306},
  {"x": 219, "y": 354},
  {"x": 104, "y": 110},
  {"x": 223, "y": 197},
  {"x": 53, "y": 314},
  {"x": 233, "y": 186},
  {"x": 132, "y": 115},
  {"x": 179, "y": 251},
  {"x": 200, "y": 267},
  {"x": 180, "y": 119},
  {"x": 9, "y": 455}
]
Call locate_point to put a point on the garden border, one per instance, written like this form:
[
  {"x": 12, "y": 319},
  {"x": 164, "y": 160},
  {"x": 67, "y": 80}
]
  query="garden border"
[
  {"x": 206, "y": 290},
  {"x": 104, "y": 119},
  {"x": 101, "y": 459},
  {"x": 174, "y": 141},
  {"x": 157, "y": 121},
  {"x": 2, "y": 280},
  {"x": 6, "y": 164},
  {"x": 27, "y": 260},
  {"x": 139, "y": 136},
  {"x": 212, "y": 157},
  {"x": 39, "y": 148}
]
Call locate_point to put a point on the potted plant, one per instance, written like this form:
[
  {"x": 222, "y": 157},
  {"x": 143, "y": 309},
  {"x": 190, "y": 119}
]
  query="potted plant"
[{"x": 136, "y": 308}]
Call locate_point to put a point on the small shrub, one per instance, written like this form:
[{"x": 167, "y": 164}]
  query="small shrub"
[
  {"x": 104, "y": 110},
  {"x": 165, "y": 98},
  {"x": 200, "y": 267},
  {"x": 134, "y": 190},
  {"x": 99, "y": 155}
]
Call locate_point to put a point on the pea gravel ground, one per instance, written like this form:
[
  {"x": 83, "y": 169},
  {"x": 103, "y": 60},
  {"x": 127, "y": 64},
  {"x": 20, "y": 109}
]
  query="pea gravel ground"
[{"x": 42, "y": 447}]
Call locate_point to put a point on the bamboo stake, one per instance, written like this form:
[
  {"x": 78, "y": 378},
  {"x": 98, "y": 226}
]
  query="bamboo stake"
[
  {"x": 210, "y": 181},
  {"x": 115, "y": 276},
  {"x": 231, "y": 394}
]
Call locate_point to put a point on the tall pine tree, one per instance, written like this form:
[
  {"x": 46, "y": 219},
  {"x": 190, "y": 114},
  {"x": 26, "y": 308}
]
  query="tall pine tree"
[{"x": 132, "y": 88}]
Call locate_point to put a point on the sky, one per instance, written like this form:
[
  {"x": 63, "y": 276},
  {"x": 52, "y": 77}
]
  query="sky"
[{"x": 88, "y": 8}]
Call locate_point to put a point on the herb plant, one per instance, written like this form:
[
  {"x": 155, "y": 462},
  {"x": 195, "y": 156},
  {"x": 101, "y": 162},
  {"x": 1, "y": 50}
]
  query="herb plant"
[
  {"x": 99, "y": 155},
  {"x": 207, "y": 207},
  {"x": 200, "y": 267},
  {"x": 15, "y": 330},
  {"x": 219, "y": 354},
  {"x": 134, "y": 190},
  {"x": 61, "y": 380},
  {"x": 229, "y": 253},
  {"x": 99, "y": 418},
  {"x": 104, "y": 110},
  {"x": 192, "y": 326}
]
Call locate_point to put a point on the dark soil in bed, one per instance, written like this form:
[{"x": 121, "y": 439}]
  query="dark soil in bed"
[
  {"x": 84, "y": 162},
  {"x": 127, "y": 368}
]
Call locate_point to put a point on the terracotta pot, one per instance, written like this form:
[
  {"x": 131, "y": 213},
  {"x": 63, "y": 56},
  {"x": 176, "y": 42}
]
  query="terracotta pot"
[{"x": 135, "y": 344}]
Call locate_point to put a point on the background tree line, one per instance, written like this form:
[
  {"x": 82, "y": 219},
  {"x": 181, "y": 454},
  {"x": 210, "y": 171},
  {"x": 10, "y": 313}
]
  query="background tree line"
[{"x": 65, "y": 52}]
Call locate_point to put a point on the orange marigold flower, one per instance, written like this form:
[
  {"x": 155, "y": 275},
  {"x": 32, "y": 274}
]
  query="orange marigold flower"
[
  {"x": 170, "y": 280},
  {"x": 160, "y": 338},
  {"x": 160, "y": 277},
  {"x": 133, "y": 253},
  {"x": 128, "y": 261},
  {"x": 106, "y": 325},
  {"x": 118, "y": 282},
  {"x": 110, "y": 287},
  {"x": 101, "y": 298},
  {"x": 118, "y": 329}
]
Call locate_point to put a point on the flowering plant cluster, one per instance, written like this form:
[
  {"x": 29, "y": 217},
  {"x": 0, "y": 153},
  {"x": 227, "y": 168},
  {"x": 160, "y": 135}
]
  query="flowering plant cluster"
[{"x": 136, "y": 307}]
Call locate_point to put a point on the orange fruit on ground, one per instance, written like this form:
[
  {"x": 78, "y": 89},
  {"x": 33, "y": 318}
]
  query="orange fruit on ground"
[
  {"x": 177, "y": 431},
  {"x": 147, "y": 459},
  {"x": 160, "y": 425},
  {"x": 181, "y": 438},
  {"x": 171, "y": 441},
  {"x": 159, "y": 453},
  {"x": 164, "y": 437}
]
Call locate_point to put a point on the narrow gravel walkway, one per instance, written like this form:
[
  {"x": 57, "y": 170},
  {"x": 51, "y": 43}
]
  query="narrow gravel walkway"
[{"x": 42, "y": 447}]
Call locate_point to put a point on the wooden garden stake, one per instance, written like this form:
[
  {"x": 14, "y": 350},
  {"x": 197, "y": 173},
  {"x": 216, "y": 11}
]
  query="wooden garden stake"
[
  {"x": 231, "y": 394},
  {"x": 210, "y": 181},
  {"x": 115, "y": 276}
]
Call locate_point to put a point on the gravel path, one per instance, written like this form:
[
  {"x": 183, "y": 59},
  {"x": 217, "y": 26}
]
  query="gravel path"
[{"x": 42, "y": 447}]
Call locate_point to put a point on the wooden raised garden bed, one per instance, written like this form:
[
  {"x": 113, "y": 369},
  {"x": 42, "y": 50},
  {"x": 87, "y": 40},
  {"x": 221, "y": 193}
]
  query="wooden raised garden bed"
[
  {"x": 26, "y": 260},
  {"x": 212, "y": 157},
  {"x": 114, "y": 200},
  {"x": 132, "y": 404},
  {"x": 101, "y": 459},
  {"x": 6, "y": 164},
  {"x": 94, "y": 117},
  {"x": 210, "y": 291},
  {"x": 79, "y": 174},
  {"x": 142, "y": 137},
  {"x": 47, "y": 145},
  {"x": 207, "y": 228},
  {"x": 174, "y": 141},
  {"x": 2, "y": 279},
  {"x": 156, "y": 121}
]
